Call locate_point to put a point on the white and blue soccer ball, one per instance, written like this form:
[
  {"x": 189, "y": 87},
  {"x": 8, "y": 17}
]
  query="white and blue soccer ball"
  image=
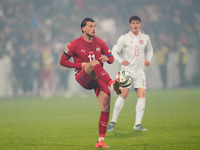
[{"x": 125, "y": 78}]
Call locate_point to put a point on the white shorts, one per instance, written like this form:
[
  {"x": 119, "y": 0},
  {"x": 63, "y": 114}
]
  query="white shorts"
[{"x": 139, "y": 81}]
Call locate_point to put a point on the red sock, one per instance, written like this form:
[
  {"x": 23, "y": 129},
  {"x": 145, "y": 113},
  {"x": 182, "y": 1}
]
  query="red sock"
[
  {"x": 102, "y": 74},
  {"x": 103, "y": 123}
]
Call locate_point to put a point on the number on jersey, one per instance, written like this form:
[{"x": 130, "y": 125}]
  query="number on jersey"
[
  {"x": 137, "y": 52},
  {"x": 91, "y": 57}
]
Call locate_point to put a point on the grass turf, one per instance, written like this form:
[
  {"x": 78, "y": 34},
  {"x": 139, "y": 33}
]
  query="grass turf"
[{"x": 172, "y": 118}]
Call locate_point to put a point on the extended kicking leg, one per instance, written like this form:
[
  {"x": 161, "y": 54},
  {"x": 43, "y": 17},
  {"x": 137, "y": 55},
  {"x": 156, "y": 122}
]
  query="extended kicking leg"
[{"x": 95, "y": 67}]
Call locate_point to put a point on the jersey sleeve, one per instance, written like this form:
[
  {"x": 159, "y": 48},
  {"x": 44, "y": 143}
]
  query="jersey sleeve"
[
  {"x": 68, "y": 53},
  {"x": 64, "y": 61},
  {"x": 117, "y": 49},
  {"x": 149, "y": 49}
]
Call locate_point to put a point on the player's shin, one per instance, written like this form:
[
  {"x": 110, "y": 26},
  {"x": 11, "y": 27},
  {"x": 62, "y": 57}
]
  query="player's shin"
[
  {"x": 102, "y": 74},
  {"x": 103, "y": 122}
]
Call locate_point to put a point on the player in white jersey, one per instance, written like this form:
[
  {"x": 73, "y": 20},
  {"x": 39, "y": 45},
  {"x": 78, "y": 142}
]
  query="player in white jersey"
[{"x": 132, "y": 46}]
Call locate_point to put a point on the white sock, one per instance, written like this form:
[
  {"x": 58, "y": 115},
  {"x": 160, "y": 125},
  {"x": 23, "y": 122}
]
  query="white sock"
[
  {"x": 119, "y": 103},
  {"x": 140, "y": 106}
]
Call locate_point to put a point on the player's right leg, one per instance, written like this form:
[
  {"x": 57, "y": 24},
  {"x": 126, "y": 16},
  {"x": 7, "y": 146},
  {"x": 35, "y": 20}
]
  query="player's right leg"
[
  {"x": 140, "y": 86},
  {"x": 104, "y": 102},
  {"x": 95, "y": 70},
  {"x": 140, "y": 107},
  {"x": 119, "y": 103}
]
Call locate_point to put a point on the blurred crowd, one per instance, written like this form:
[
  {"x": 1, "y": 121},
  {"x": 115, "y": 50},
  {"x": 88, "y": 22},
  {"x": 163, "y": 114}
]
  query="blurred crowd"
[{"x": 34, "y": 34}]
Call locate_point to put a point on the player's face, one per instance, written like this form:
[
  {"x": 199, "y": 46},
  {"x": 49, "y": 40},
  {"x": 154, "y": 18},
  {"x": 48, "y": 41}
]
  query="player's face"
[
  {"x": 135, "y": 26},
  {"x": 89, "y": 29}
]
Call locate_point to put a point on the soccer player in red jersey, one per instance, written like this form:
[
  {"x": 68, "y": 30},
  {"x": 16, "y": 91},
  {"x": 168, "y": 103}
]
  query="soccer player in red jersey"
[{"x": 89, "y": 53}]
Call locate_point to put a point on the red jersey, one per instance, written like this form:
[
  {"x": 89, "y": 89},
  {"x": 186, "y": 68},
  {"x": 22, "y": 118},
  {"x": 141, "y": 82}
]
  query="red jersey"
[{"x": 83, "y": 51}]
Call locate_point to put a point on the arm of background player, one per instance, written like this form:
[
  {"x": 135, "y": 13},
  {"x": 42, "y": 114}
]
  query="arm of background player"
[
  {"x": 64, "y": 61},
  {"x": 149, "y": 50}
]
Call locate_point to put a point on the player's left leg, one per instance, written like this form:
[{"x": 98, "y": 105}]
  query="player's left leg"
[
  {"x": 139, "y": 83},
  {"x": 95, "y": 70},
  {"x": 104, "y": 102},
  {"x": 140, "y": 107}
]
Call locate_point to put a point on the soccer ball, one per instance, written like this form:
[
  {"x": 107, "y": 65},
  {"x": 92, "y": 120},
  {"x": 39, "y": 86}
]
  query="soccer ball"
[{"x": 125, "y": 78}]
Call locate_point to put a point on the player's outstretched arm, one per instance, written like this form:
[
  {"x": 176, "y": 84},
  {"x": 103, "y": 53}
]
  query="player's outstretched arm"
[{"x": 64, "y": 61}]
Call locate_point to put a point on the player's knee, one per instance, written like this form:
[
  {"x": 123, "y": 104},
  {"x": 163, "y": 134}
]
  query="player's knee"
[
  {"x": 141, "y": 93},
  {"x": 124, "y": 93},
  {"x": 89, "y": 66},
  {"x": 94, "y": 62}
]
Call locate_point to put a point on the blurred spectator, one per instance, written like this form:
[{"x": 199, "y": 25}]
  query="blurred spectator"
[
  {"x": 46, "y": 72},
  {"x": 182, "y": 60},
  {"x": 162, "y": 59},
  {"x": 5, "y": 73},
  {"x": 60, "y": 71},
  {"x": 63, "y": 79},
  {"x": 36, "y": 66},
  {"x": 25, "y": 70}
]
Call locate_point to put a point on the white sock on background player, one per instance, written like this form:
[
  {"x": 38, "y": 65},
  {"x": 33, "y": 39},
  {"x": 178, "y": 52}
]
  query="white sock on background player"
[
  {"x": 140, "y": 106},
  {"x": 117, "y": 108}
]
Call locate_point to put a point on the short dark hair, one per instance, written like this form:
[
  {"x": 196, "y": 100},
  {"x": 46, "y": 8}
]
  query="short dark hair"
[
  {"x": 134, "y": 18},
  {"x": 84, "y": 22}
]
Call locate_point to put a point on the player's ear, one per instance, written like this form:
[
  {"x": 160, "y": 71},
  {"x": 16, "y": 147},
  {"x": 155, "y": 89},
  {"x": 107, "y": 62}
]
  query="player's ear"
[{"x": 83, "y": 29}]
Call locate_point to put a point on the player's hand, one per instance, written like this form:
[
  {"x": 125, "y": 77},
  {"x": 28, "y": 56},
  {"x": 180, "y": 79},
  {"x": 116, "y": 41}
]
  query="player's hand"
[
  {"x": 125, "y": 63},
  {"x": 147, "y": 63},
  {"x": 83, "y": 64},
  {"x": 103, "y": 58}
]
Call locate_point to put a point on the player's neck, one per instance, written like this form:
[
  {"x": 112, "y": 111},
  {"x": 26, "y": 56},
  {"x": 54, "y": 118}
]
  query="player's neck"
[
  {"x": 87, "y": 38},
  {"x": 136, "y": 33}
]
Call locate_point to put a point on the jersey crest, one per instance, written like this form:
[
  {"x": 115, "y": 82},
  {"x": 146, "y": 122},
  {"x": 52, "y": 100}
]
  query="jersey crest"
[
  {"x": 141, "y": 42},
  {"x": 98, "y": 49}
]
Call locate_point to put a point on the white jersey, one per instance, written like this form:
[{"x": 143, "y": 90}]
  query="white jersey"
[{"x": 132, "y": 48}]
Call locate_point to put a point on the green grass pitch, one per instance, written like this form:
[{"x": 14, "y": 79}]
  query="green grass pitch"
[{"x": 172, "y": 118}]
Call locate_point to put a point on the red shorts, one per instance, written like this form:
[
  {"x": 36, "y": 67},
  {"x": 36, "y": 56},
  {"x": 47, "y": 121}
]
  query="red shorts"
[{"x": 88, "y": 83}]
